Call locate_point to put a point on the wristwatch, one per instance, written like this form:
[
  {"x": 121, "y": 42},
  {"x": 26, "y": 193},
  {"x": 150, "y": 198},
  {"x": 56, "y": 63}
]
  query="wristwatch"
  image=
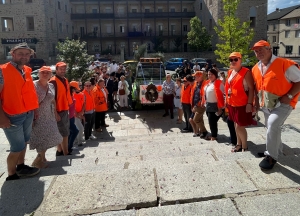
[{"x": 289, "y": 96}]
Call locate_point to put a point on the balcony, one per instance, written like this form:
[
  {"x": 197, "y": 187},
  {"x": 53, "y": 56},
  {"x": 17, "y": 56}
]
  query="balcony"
[
  {"x": 162, "y": 15},
  {"x": 93, "y": 16}
]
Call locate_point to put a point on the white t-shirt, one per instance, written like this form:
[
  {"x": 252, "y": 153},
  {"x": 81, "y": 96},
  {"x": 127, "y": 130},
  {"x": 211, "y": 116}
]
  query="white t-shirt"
[
  {"x": 196, "y": 67},
  {"x": 210, "y": 93},
  {"x": 113, "y": 68}
]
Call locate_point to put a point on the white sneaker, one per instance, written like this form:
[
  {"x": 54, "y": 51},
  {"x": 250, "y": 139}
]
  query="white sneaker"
[{"x": 93, "y": 137}]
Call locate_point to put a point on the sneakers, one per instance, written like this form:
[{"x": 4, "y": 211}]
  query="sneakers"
[
  {"x": 27, "y": 170},
  {"x": 93, "y": 137},
  {"x": 267, "y": 163},
  {"x": 203, "y": 135},
  {"x": 12, "y": 177}
]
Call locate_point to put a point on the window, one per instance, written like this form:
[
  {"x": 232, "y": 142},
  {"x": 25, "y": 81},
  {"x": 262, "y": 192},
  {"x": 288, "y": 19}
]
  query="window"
[
  {"x": 134, "y": 28},
  {"x": 66, "y": 9},
  {"x": 122, "y": 29},
  {"x": 185, "y": 28},
  {"x": 28, "y": 1},
  {"x": 298, "y": 21},
  {"x": 173, "y": 29},
  {"x": 252, "y": 22},
  {"x": 58, "y": 5},
  {"x": 299, "y": 50},
  {"x": 184, "y": 10},
  {"x": 94, "y": 10},
  {"x": 108, "y": 10},
  {"x": 67, "y": 28},
  {"x": 2, "y": 1},
  {"x": 30, "y": 23},
  {"x": 108, "y": 29},
  {"x": 200, "y": 6},
  {"x": 297, "y": 34},
  {"x": 267, "y": 27},
  {"x": 51, "y": 24},
  {"x": 274, "y": 27},
  {"x": 159, "y": 10},
  {"x": 60, "y": 27},
  {"x": 134, "y": 10},
  {"x": 7, "y": 24},
  {"x": 147, "y": 10},
  {"x": 172, "y": 10},
  {"x": 287, "y": 34},
  {"x": 288, "y": 49},
  {"x": 274, "y": 39},
  {"x": 288, "y": 22}
]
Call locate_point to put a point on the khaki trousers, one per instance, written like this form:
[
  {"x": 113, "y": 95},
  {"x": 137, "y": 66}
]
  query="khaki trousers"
[{"x": 198, "y": 118}]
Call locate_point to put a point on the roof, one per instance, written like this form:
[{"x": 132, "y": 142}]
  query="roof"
[
  {"x": 278, "y": 14},
  {"x": 293, "y": 14}
]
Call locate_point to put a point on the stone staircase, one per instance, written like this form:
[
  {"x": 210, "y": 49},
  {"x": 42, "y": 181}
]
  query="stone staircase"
[{"x": 143, "y": 165}]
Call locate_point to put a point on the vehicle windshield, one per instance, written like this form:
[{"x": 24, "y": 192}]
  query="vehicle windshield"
[{"x": 150, "y": 71}]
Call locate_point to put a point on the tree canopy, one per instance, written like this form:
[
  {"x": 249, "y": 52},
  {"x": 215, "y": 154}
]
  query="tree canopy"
[
  {"x": 74, "y": 54},
  {"x": 234, "y": 36}
]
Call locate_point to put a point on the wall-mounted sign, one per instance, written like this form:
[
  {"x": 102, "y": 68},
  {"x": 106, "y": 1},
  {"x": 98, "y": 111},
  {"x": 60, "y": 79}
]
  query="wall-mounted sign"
[{"x": 19, "y": 40}]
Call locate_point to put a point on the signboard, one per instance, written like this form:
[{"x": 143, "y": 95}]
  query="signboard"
[
  {"x": 143, "y": 89},
  {"x": 19, "y": 40}
]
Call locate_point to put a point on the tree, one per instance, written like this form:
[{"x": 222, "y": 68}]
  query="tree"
[
  {"x": 234, "y": 36},
  {"x": 74, "y": 53},
  {"x": 157, "y": 43},
  {"x": 177, "y": 43},
  {"x": 140, "y": 52},
  {"x": 198, "y": 37}
]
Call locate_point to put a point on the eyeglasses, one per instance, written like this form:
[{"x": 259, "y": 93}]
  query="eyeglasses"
[{"x": 235, "y": 59}]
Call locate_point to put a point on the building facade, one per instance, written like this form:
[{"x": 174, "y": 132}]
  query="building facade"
[{"x": 40, "y": 23}]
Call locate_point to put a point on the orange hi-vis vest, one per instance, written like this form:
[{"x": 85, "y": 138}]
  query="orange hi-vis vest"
[
  {"x": 238, "y": 96},
  {"x": 89, "y": 101},
  {"x": 18, "y": 94},
  {"x": 79, "y": 97},
  {"x": 274, "y": 81},
  {"x": 186, "y": 94},
  {"x": 218, "y": 92},
  {"x": 63, "y": 97},
  {"x": 100, "y": 99},
  {"x": 193, "y": 88}
]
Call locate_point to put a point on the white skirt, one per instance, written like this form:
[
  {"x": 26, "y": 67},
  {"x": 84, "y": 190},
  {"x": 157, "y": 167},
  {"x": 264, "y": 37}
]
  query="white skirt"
[{"x": 177, "y": 103}]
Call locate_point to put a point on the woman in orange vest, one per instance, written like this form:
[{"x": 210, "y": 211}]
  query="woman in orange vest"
[
  {"x": 213, "y": 100},
  {"x": 100, "y": 96},
  {"x": 239, "y": 88},
  {"x": 186, "y": 101}
]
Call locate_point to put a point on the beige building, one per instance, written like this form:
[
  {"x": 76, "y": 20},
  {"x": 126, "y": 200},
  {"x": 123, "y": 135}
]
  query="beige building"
[
  {"x": 40, "y": 23},
  {"x": 284, "y": 31}
]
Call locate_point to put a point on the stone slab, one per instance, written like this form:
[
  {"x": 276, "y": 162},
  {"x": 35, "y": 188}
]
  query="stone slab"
[
  {"x": 272, "y": 204},
  {"x": 117, "y": 213},
  {"x": 194, "y": 182},
  {"x": 100, "y": 192},
  {"x": 212, "y": 207},
  {"x": 285, "y": 174},
  {"x": 21, "y": 197}
]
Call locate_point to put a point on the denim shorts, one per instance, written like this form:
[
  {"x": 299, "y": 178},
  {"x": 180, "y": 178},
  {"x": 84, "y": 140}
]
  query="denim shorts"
[{"x": 19, "y": 134}]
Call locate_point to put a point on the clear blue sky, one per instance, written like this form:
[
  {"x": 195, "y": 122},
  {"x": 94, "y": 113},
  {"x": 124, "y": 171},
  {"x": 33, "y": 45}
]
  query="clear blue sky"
[{"x": 273, "y": 4}]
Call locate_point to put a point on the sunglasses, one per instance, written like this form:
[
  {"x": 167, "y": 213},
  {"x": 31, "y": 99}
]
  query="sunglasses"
[{"x": 235, "y": 60}]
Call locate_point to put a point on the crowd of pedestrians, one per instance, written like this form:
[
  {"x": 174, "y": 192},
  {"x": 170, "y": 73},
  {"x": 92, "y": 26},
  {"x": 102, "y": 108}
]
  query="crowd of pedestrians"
[{"x": 70, "y": 112}]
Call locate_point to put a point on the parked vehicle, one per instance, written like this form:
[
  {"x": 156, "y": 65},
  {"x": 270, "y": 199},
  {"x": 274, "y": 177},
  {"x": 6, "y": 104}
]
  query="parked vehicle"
[
  {"x": 173, "y": 63},
  {"x": 35, "y": 73},
  {"x": 179, "y": 73},
  {"x": 148, "y": 81},
  {"x": 201, "y": 61},
  {"x": 35, "y": 63}
]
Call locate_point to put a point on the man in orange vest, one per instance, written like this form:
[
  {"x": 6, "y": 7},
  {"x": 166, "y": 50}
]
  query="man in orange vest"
[
  {"x": 277, "y": 84},
  {"x": 63, "y": 100},
  {"x": 18, "y": 99}
]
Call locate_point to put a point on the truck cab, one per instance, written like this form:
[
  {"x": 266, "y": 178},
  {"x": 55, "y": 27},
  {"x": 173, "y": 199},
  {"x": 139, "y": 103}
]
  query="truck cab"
[{"x": 147, "y": 87}]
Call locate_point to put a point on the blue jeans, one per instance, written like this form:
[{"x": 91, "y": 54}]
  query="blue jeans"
[
  {"x": 73, "y": 134},
  {"x": 18, "y": 134}
]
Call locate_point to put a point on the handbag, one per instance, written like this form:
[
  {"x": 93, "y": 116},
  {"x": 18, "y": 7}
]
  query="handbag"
[
  {"x": 212, "y": 107},
  {"x": 121, "y": 91}
]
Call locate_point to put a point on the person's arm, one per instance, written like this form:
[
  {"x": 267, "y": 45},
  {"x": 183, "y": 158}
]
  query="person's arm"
[
  {"x": 4, "y": 120},
  {"x": 250, "y": 83},
  {"x": 293, "y": 76}
]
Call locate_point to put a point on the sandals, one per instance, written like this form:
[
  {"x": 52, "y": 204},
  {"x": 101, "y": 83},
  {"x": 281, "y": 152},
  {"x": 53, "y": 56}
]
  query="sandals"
[{"x": 239, "y": 148}]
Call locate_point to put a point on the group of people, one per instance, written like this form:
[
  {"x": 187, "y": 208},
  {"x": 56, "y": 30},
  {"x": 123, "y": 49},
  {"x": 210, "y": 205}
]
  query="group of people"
[{"x": 272, "y": 85}]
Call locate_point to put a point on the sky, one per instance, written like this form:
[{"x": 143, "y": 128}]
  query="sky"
[{"x": 273, "y": 4}]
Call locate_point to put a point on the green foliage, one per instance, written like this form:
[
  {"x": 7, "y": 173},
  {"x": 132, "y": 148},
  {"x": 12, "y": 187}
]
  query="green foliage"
[
  {"x": 234, "y": 36},
  {"x": 140, "y": 52},
  {"x": 198, "y": 37},
  {"x": 177, "y": 43},
  {"x": 158, "y": 55},
  {"x": 157, "y": 43},
  {"x": 73, "y": 53}
]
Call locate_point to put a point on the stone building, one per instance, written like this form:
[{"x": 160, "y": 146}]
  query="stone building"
[
  {"x": 284, "y": 31},
  {"x": 40, "y": 23}
]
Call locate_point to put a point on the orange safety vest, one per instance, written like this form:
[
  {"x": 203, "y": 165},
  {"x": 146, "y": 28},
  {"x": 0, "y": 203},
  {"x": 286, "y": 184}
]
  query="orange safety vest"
[
  {"x": 79, "y": 97},
  {"x": 218, "y": 92},
  {"x": 193, "y": 88},
  {"x": 186, "y": 94},
  {"x": 18, "y": 94},
  {"x": 99, "y": 99},
  {"x": 238, "y": 96},
  {"x": 89, "y": 101},
  {"x": 274, "y": 80},
  {"x": 63, "y": 97}
]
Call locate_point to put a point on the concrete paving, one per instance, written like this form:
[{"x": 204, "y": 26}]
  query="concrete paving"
[{"x": 143, "y": 165}]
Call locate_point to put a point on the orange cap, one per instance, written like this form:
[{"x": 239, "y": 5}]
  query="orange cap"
[
  {"x": 46, "y": 68},
  {"x": 236, "y": 54},
  {"x": 74, "y": 84},
  {"x": 60, "y": 64},
  {"x": 198, "y": 73},
  {"x": 261, "y": 43}
]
